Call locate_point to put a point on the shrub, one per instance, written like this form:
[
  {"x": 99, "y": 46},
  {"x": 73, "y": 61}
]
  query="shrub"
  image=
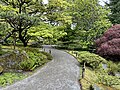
[
  {"x": 49, "y": 57},
  {"x": 26, "y": 59},
  {"x": 35, "y": 59},
  {"x": 107, "y": 79},
  {"x": 112, "y": 68},
  {"x": 92, "y": 60},
  {"x": 27, "y": 65},
  {"x": 109, "y": 44},
  {"x": 9, "y": 78}
]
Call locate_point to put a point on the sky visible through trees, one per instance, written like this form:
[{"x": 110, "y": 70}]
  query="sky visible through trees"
[{"x": 101, "y": 1}]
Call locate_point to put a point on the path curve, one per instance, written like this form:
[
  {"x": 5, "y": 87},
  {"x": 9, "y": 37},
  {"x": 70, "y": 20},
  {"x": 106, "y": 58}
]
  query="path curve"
[{"x": 62, "y": 73}]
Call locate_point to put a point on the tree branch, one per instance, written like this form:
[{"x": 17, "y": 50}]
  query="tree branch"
[{"x": 8, "y": 35}]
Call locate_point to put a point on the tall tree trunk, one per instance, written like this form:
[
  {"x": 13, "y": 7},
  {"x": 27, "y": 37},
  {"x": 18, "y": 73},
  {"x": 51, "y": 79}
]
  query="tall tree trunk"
[
  {"x": 22, "y": 38},
  {"x": 23, "y": 41},
  {"x": 25, "y": 44}
]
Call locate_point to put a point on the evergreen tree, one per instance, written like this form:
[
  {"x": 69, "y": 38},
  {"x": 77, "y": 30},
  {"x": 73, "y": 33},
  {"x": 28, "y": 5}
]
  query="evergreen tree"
[
  {"x": 89, "y": 21},
  {"x": 20, "y": 15},
  {"x": 114, "y": 16}
]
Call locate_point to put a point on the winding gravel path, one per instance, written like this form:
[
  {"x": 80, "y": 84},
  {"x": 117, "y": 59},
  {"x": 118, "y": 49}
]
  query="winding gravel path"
[{"x": 62, "y": 73}]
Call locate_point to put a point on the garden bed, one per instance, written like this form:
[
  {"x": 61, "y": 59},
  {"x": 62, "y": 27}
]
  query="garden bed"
[
  {"x": 96, "y": 74},
  {"x": 18, "y": 64}
]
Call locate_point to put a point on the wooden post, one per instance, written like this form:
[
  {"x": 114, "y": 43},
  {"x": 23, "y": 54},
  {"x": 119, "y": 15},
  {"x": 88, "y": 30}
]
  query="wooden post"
[
  {"x": 44, "y": 49},
  {"x": 83, "y": 70},
  {"x": 14, "y": 42},
  {"x": 80, "y": 84},
  {"x": 76, "y": 54},
  {"x": 72, "y": 52},
  {"x": 50, "y": 51}
]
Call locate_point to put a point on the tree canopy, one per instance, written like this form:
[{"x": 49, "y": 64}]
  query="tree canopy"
[
  {"x": 114, "y": 16},
  {"x": 89, "y": 21},
  {"x": 109, "y": 44},
  {"x": 80, "y": 21},
  {"x": 20, "y": 15}
]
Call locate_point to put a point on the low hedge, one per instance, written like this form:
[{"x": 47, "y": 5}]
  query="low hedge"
[{"x": 92, "y": 60}]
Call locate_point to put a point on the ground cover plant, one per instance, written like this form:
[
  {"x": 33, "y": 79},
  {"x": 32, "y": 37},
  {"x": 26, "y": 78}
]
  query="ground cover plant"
[
  {"x": 96, "y": 74},
  {"x": 16, "y": 63},
  {"x": 9, "y": 78}
]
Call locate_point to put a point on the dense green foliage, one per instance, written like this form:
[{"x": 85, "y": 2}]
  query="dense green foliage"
[
  {"x": 89, "y": 21},
  {"x": 14, "y": 63},
  {"x": 96, "y": 73},
  {"x": 96, "y": 62},
  {"x": 9, "y": 78},
  {"x": 2, "y": 52},
  {"x": 35, "y": 59},
  {"x": 75, "y": 22},
  {"x": 49, "y": 57},
  {"x": 55, "y": 20},
  {"x": 36, "y": 44},
  {"x": 27, "y": 59},
  {"x": 47, "y": 32},
  {"x": 113, "y": 67},
  {"x": 20, "y": 15},
  {"x": 108, "y": 80},
  {"x": 92, "y": 60},
  {"x": 114, "y": 16}
]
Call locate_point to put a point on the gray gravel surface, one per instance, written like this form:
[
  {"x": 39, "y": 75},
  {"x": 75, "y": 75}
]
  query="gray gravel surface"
[{"x": 62, "y": 73}]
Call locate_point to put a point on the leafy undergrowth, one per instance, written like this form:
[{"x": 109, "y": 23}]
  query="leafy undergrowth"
[
  {"x": 9, "y": 78},
  {"x": 26, "y": 59},
  {"x": 34, "y": 59},
  {"x": 95, "y": 74},
  {"x": 19, "y": 63},
  {"x": 91, "y": 79}
]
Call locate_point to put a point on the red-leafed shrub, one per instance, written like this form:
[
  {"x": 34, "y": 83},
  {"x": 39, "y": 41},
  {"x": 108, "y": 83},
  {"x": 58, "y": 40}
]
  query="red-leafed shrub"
[{"x": 109, "y": 44}]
